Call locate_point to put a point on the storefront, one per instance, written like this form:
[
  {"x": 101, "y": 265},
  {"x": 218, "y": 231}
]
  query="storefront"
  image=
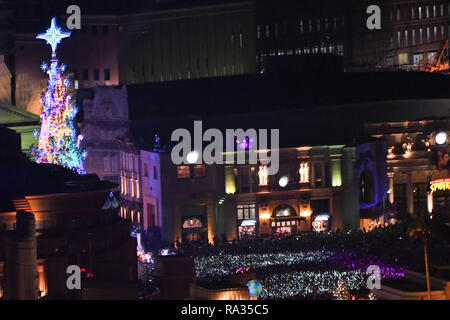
[
  {"x": 285, "y": 220},
  {"x": 247, "y": 229},
  {"x": 321, "y": 222}
]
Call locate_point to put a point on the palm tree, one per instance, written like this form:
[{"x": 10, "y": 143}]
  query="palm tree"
[{"x": 421, "y": 230}]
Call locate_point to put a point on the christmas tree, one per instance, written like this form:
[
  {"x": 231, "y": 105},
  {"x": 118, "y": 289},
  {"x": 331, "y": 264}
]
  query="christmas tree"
[
  {"x": 341, "y": 291},
  {"x": 59, "y": 142}
]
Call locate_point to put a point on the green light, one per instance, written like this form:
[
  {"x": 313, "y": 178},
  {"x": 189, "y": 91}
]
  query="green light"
[{"x": 336, "y": 177}]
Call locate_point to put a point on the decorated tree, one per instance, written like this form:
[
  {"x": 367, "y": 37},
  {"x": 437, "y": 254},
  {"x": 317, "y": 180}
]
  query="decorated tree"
[
  {"x": 59, "y": 142},
  {"x": 341, "y": 291}
]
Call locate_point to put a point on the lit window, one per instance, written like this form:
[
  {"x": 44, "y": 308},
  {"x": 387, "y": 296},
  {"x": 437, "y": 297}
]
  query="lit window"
[
  {"x": 304, "y": 172},
  {"x": 192, "y": 223},
  {"x": 263, "y": 175},
  {"x": 246, "y": 211},
  {"x": 199, "y": 171},
  {"x": 183, "y": 172}
]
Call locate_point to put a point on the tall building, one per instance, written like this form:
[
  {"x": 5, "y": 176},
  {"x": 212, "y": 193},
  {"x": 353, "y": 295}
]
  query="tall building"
[
  {"x": 420, "y": 31},
  {"x": 206, "y": 40},
  {"x": 105, "y": 119}
]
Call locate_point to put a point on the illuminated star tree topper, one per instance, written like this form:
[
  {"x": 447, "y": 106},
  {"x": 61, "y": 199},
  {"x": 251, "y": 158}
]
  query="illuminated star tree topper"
[{"x": 53, "y": 35}]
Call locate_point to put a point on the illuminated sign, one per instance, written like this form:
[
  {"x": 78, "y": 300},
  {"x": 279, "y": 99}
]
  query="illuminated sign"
[{"x": 439, "y": 185}]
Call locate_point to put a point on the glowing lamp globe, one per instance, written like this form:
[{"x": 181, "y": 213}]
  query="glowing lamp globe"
[
  {"x": 192, "y": 157},
  {"x": 283, "y": 181},
  {"x": 441, "y": 138}
]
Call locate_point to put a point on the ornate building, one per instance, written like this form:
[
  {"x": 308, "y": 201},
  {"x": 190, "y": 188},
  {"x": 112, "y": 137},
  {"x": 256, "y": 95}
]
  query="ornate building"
[
  {"x": 417, "y": 157},
  {"x": 105, "y": 118}
]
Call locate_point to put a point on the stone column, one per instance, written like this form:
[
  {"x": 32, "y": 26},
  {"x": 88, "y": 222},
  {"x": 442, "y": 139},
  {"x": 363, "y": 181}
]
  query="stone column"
[
  {"x": 21, "y": 275},
  {"x": 409, "y": 194},
  {"x": 391, "y": 186}
]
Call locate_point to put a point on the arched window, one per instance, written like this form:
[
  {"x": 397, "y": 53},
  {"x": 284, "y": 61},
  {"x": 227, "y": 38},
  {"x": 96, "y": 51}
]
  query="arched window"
[
  {"x": 366, "y": 187},
  {"x": 283, "y": 211},
  {"x": 192, "y": 223}
]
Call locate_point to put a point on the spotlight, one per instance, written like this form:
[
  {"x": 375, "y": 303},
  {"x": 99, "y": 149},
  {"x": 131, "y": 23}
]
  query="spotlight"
[
  {"x": 192, "y": 157},
  {"x": 283, "y": 181},
  {"x": 441, "y": 138}
]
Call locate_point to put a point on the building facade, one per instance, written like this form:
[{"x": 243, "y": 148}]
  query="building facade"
[
  {"x": 417, "y": 158},
  {"x": 187, "y": 43},
  {"x": 420, "y": 32},
  {"x": 322, "y": 188},
  {"x": 105, "y": 118}
]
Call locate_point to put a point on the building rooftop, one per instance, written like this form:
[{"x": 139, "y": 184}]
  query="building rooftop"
[{"x": 23, "y": 177}]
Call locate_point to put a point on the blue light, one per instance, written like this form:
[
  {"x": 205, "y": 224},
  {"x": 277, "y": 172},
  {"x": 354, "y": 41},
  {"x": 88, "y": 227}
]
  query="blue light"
[{"x": 53, "y": 35}]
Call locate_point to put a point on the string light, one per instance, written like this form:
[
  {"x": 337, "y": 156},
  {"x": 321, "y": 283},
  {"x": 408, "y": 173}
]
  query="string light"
[{"x": 58, "y": 141}]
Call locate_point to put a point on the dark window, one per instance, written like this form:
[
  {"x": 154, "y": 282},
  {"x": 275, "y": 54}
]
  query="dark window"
[
  {"x": 96, "y": 75},
  {"x": 105, "y": 30},
  {"x": 75, "y": 74},
  {"x": 94, "y": 30},
  {"x": 400, "y": 197},
  {"x": 145, "y": 170},
  {"x": 318, "y": 174},
  {"x": 85, "y": 74},
  {"x": 107, "y": 75},
  {"x": 155, "y": 173},
  {"x": 420, "y": 197},
  {"x": 366, "y": 187}
]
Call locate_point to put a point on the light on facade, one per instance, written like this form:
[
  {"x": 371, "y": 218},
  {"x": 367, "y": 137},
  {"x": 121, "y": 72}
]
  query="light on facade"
[
  {"x": 283, "y": 181},
  {"x": 263, "y": 175},
  {"x": 192, "y": 157},
  {"x": 265, "y": 216},
  {"x": 441, "y": 138},
  {"x": 305, "y": 213},
  {"x": 304, "y": 172}
]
